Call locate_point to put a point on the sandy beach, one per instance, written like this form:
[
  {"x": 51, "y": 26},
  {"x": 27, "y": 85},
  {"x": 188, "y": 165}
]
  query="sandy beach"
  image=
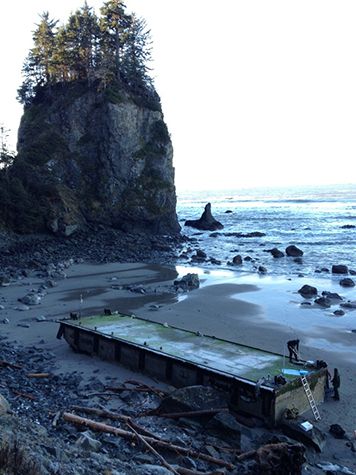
[{"x": 260, "y": 311}]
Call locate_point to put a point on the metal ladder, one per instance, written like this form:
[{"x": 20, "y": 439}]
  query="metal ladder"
[{"x": 310, "y": 398}]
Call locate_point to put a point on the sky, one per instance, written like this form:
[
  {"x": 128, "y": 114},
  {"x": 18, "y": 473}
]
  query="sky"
[{"x": 254, "y": 92}]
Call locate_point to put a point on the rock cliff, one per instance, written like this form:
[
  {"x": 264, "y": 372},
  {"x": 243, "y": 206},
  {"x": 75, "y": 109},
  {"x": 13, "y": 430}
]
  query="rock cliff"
[{"x": 87, "y": 156}]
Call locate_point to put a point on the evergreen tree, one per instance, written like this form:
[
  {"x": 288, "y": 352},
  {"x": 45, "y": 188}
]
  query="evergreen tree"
[
  {"x": 38, "y": 67},
  {"x": 61, "y": 56},
  {"x": 41, "y": 54},
  {"x": 137, "y": 53},
  {"x": 114, "y": 48},
  {"x": 114, "y": 25},
  {"x": 81, "y": 42}
]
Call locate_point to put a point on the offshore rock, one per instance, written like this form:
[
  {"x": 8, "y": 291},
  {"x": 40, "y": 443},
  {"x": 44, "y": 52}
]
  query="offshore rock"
[
  {"x": 347, "y": 282},
  {"x": 293, "y": 251},
  {"x": 308, "y": 291},
  {"x": 276, "y": 253},
  {"x": 206, "y": 222},
  {"x": 94, "y": 157},
  {"x": 187, "y": 282},
  {"x": 339, "y": 269}
]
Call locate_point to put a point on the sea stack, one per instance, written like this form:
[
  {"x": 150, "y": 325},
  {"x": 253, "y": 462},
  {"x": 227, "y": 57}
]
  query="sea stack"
[
  {"x": 206, "y": 222},
  {"x": 96, "y": 157}
]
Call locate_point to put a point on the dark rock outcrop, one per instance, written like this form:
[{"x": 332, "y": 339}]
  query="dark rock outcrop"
[
  {"x": 187, "y": 282},
  {"x": 206, "y": 222},
  {"x": 347, "y": 282},
  {"x": 276, "y": 253},
  {"x": 308, "y": 291},
  {"x": 331, "y": 295},
  {"x": 293, "y": 251},
  {"x": 323, "y": 302},
  {"x": 89, "y": 155},
  {"x": 339, "y": 269},
  {"x": 237, "y": 260}
]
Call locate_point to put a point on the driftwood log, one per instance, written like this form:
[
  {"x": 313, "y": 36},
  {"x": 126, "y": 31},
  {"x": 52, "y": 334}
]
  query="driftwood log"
[
  {"x": 100, "y": 427},
  {"x": 154, "y": 451},
  {"x": 115, "y": 417},
  {"x": 7, "y": 364},
  {"x": 38, "y": 375}
]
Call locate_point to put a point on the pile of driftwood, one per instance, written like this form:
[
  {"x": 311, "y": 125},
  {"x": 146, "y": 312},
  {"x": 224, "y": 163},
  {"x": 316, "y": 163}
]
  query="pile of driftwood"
[
  {"x": 276, "y": 459},
  {"x": 279, "y": 458}
]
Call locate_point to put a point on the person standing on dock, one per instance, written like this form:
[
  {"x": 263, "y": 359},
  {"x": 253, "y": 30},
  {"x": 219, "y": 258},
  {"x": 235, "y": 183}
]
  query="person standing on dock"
[
  {"x": 293, "y": 348},
  {"x": 336, "y": 384}
]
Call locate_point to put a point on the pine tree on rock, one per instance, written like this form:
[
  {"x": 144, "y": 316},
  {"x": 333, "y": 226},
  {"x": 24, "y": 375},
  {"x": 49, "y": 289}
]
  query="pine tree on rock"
[
  {"x": 81, "y": 37},
  {"x": 136, "y": 55},
  {"x": 112, "y": 50},
  {"x": 114, "y": 24}
]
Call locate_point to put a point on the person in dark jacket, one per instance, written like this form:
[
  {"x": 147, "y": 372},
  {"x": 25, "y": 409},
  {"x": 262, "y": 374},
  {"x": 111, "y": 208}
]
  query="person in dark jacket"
[
  {"x": 293, "y": 348},
  {"x": 336, "y": 384}
]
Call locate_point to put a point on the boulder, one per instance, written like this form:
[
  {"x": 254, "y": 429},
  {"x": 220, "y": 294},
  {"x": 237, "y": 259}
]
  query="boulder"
[
  {"x": 4, "y": 281},
  {"x": 339, "y": 269},
  {"x": 262, "y": 270},
  {"x": 337, "y": 431},
  {"x": 349, "y": 304},
  {"x": 323, "y": 302},
  {"x": 88, "y": 443},
  {"x": 308, "y": 291},
  {"x": 237, "y": 260},
  {"x": 225, "y": 426},
  {"x": 347, "y": 282},
  {"x": 331, "y": 295},
  {"x": 293, "y": 251},
  {"x": 214, "y": 261},
  {"x": 339, "y": 313},
  {"x": 60, "y": 228},
  {"x": 199, "y": 256},
  {"x": 276, "y": 253},
  {"x": 31, "y": 299},
  {"x": 206, "y": 222},
  {"x": 4, "y": 406},
  {"x": 187, "y": 282}
]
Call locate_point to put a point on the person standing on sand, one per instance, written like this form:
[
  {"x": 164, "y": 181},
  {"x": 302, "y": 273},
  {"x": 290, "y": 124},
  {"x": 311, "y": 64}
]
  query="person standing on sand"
[
  {"x": 336, "y": 384},
  {"x": 293, "y": 348}
]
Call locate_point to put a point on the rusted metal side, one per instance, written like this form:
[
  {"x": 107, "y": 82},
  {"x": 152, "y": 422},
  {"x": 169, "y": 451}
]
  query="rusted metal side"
[{"x": 265, "y": 402}]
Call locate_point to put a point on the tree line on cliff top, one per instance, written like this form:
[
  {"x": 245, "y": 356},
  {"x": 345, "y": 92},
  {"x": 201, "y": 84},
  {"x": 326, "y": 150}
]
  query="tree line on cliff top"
[{"x": 114, "y": 47}]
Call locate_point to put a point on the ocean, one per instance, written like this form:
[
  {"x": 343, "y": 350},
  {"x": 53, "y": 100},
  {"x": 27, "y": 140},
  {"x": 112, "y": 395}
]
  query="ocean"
[{"x": 320, "y": 220}]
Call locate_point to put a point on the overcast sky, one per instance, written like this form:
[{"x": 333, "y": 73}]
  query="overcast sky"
[{"x": 254, "y": 92}]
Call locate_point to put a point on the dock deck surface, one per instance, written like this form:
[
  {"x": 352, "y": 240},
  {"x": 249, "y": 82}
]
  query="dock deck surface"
[{"x": 233, "y": 358}]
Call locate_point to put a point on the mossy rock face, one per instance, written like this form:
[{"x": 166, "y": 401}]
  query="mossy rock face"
[{"x": 88, "y": 154}]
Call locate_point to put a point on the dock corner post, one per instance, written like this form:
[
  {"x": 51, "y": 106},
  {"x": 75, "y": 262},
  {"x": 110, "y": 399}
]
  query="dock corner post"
[{"x": 60, "y": 332}]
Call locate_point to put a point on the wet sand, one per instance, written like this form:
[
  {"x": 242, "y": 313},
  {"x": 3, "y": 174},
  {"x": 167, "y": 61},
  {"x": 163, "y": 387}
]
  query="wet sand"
[{"x": 262, "y": 312}]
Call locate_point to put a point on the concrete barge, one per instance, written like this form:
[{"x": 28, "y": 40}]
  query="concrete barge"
[{"x": 185, "y": 358}]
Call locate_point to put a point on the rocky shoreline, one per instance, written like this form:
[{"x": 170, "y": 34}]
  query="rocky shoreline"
[
  {"x": 37, "y": 397},
  {"x": 36, "y": 437},
  {"x": 19, "y": 253}
]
